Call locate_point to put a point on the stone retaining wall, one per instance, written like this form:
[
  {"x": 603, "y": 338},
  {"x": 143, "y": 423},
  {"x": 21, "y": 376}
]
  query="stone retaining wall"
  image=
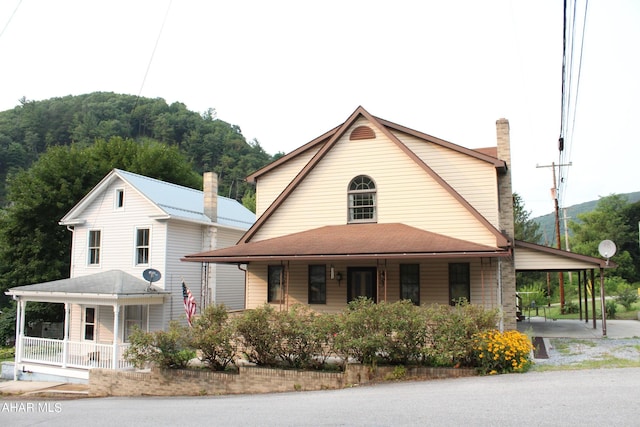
[{"x": 169, "y": 382}]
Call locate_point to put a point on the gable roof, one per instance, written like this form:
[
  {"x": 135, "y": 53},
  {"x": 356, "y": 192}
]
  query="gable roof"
[
  {"x": 329, "y": 139},
  {"x": 355, "y": 241},
  {"x": 171, "y": 201}
]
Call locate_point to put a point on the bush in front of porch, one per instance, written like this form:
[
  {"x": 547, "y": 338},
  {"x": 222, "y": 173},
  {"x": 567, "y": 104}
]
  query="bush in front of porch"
[{"x": 373, "y": 334}]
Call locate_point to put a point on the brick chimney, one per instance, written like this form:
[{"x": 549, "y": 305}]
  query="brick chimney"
[{"x": 210, "y": 190}]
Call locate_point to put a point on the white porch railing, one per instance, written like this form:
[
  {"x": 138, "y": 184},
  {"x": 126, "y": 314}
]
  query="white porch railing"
[{"x": 82, "y": 355}]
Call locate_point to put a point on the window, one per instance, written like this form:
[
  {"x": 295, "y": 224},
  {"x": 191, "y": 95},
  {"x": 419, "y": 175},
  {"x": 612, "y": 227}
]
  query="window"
[
  {"x": 459, "y": 283},
  {"x": 94, "y": 247},
  {"x": 317, "y": 284},
  {"x": 134, "y": 315},
  {"x": 119, "y": 198},
  {"x": 362, "y": 200},
  {"x": 275, "y": 279},
  {"x": 142, "y": 246},
  {"x": 89, "y": 323},
  {"x": 410, "y": 282}
]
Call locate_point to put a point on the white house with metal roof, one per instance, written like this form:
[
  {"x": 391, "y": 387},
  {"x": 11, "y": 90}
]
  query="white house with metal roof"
[{"x": 126, "y": 225}]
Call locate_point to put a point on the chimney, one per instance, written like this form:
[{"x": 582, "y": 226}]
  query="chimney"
[
  {"x": 210, "y": 190},
  {"x": 505, "y": 191}
]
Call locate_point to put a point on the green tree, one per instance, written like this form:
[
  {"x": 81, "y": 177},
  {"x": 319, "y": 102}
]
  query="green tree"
[
  {"x": 606, "y": 222},
  {"x": 526, "y": 229},
  {"x": 33, "y": 246}
]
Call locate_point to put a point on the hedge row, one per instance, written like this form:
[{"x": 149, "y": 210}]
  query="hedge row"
[{"x": 384, "y": 333}]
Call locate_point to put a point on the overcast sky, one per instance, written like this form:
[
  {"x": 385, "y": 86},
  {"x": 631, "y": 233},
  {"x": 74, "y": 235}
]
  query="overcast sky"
[{"x": 287, "y": 71}]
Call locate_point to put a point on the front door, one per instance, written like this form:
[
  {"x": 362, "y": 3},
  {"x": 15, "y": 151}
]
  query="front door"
[{"x": 361, "y": 282}]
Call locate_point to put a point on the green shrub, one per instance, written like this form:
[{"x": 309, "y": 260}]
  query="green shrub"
[
  {"x": 258, "y": 336},
  {"x": 213, "y": 335},
  {"x": 501, "y": 352},
  {"x": 404, "y": 332},
  {"x": 533, "y": 293},
  {"x": 451, "y": 332},
  {"x": 627, "y": 296},
  {"x": 611, "y": 309},
  {"x": 324, "y": 329},
  {"x": 360, "y": 335},
  {"x": 571, "y": 307},
  {"x": 295, "y": 343},
  {"x": 7, "y": 353},
  {"x": 166, "y": 349}
]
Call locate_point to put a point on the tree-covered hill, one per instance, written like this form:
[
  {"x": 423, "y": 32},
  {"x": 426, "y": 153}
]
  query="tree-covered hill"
[
  {"x": 29, "y": 129},
  {"x": 547, "y": 222}
]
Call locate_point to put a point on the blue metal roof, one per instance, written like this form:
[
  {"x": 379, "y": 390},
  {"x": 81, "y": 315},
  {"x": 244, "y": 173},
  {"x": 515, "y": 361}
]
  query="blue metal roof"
[{"x": 187, "y": 203}]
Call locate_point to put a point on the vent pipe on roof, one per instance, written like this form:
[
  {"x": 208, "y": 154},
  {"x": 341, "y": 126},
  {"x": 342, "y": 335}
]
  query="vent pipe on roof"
[{"x": 210, "y": 190}]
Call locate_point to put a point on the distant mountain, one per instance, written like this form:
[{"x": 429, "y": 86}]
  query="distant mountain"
[{"x": 547, "y": 222}]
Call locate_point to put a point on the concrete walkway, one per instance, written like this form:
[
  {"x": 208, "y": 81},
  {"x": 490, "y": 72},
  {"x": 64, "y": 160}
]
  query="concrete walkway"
[
  {"x": 562, "y": 328},
  {"x": 39, "y": 388}
]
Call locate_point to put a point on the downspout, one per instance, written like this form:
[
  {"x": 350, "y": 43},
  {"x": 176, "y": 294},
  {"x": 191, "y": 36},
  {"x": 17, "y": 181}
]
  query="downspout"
[
  {"x": 245, "y": 283},
  {"x": 500, "y": 296}
]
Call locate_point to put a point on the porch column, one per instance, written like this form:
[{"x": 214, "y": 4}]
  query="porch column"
[
  {"x": 20, "y": 309},
  {"x": 65, "y": 338},
  {"x": 116, "y": 318},
  {"x": 602, "y": 304}
]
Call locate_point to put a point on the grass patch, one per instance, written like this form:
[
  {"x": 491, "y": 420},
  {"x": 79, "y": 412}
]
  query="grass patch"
[{"x": 7, "y": 354}]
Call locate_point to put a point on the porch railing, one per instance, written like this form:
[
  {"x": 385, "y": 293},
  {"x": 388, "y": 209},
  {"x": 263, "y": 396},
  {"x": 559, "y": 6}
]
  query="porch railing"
[{"x": 71, "y": 354}]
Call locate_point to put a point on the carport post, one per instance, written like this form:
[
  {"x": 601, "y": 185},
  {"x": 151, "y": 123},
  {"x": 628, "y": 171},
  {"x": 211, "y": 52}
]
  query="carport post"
[
  {"x": 593, "y": 298},
  {"x": 604, "y": 313}
]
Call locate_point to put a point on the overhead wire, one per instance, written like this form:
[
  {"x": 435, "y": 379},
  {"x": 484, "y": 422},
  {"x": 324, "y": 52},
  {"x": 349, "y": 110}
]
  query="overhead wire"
[
  {"x": 153, "y": 52},
  {"x": 10, "y": 18},
  {"x": 572, "y": 34}
]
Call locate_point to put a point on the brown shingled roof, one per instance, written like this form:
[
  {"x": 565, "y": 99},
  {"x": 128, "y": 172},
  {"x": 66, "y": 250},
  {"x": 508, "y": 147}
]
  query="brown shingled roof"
[{"x": 353, "y": 241}]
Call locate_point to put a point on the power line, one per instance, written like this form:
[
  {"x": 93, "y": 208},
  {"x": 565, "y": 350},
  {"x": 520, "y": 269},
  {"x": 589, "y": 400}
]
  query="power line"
[
  {"x": 153, "y": 52},
  {"x": 10, "y": 18}
]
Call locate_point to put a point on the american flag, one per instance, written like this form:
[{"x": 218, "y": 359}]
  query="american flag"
[{"x": 189, "y": 302}]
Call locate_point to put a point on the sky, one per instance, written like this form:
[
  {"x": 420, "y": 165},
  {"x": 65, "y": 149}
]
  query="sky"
[{"x": 287, "y": 71}]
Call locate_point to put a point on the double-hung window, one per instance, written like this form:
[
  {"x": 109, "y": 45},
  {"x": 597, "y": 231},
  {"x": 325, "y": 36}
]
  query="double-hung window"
[
  {"x": 317, "y": 284},
  {"x": 459, "y": 283},
  {"x": 410, "y": 282},
  {"x": 94, "y": 247},
  {"x": 142, "y": 246},
  {"x": 274, "y": 284}
]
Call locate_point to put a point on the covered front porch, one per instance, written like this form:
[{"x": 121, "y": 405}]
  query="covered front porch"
[{"x": 100, "y": 311}]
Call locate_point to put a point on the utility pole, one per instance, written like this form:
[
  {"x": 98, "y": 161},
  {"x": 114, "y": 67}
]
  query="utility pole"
[
  {"x": 554, "y": 195},
  {"x": 566, "y": 239}
]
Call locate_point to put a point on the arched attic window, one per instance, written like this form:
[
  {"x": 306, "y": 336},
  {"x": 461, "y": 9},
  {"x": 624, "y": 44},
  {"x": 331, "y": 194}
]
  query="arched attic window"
[{"x": 362, "y": 200}]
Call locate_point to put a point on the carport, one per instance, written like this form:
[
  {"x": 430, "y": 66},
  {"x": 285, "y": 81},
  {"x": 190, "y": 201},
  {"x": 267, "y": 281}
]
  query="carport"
[{"x": 533, "y": 257}]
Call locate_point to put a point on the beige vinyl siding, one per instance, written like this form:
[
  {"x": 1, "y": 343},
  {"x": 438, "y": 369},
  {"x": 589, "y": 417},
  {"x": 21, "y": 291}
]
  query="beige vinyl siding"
[
  {"x": 104, "y": 326},
  {"x": 405, "y": 194},
  {"x": 528, "y": 259},
  {"x": 229, "y": 278},
  {"x": 434, "y": 283},
  {"x": 75, "y": 324},
  {"x": 473, "y": 179},
  {"x": 270, "y": 185}
]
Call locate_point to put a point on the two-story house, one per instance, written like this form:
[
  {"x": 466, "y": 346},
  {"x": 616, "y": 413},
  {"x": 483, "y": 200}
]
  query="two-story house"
[
  {"x": 375, "y": 209},
  {"x": 126, "y": 225}
]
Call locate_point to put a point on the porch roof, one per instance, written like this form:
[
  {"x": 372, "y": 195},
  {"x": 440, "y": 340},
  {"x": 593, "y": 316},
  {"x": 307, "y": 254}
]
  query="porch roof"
[
  {"x": 353, "y": 241},
  {"x": 109, "y": 286}
]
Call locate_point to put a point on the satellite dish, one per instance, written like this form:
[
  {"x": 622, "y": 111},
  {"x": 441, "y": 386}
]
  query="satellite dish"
[
  {"x": 151, "y": 274},
  {"x": 607, "y": 248}
]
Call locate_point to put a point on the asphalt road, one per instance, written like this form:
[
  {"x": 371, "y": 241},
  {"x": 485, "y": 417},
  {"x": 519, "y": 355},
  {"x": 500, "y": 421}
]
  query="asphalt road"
[{"x": 569, "y": 398}]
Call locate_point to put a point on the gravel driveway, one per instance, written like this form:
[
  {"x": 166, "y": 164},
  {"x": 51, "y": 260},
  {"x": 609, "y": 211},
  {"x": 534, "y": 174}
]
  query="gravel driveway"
[{"x": 573, "y": 351}]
